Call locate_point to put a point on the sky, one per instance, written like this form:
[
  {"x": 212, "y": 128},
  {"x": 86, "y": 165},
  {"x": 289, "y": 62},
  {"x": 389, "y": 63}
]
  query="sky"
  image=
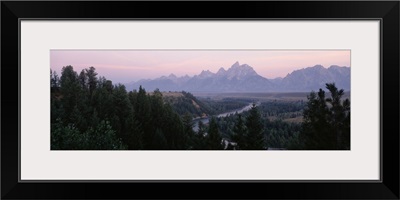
[{"x": 124, "y": 66}]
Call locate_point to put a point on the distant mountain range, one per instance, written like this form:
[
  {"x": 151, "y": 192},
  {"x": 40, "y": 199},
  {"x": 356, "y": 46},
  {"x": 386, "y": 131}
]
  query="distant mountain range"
[{"x": 243, "y": 78}]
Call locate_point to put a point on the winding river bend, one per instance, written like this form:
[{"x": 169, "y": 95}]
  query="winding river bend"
[{"x": 207, "y": 119}]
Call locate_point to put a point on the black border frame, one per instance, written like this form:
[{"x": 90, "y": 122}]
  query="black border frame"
[
  {"x": 199, "y": 19},
  {"x": 386, "y": 11}
]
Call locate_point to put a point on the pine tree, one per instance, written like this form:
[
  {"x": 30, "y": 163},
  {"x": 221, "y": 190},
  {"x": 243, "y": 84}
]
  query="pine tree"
[
  {"x": 102, "y": 99},
  {"x": 54, "y": 96},
  {"x": 316, "y": 130},
  {"x": 83, "y": 80},
  {"x": 188, "y": 130},
  {"x": 143, "y": 116},
  {"x": 214, "y": 140},
  {"x": 134, "y": 135},
  {"x": 326, "y": 123},
  {"x": 54, "y": 81},
  {"x": 92, "y": 79},
  {"x": 159, "y": 140},
  {"x": 240, "y": 133},
  {"x": 122, "y": 108},
  {"x": 254, "y": 137},
  {"x": 200, "y": 141},
  {"x": 339, "y": 117},
  {"x": 70, "y": 90},
  {"x": 180, "y": 138}
]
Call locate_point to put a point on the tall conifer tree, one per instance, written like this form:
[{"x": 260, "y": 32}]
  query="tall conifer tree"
[{"x": 254, "y": 137}]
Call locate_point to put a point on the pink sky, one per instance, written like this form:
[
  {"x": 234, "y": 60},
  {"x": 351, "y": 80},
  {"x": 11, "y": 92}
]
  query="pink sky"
[{"x": 131, "y": 65}]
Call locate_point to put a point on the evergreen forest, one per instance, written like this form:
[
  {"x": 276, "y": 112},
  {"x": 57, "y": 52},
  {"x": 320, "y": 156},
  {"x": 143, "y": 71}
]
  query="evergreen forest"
[{"x": 89, "y": 112}]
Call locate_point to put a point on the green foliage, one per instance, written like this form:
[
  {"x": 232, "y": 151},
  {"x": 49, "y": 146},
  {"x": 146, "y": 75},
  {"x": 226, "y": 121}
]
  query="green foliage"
[
  {"x": 254, "y": 137},
  {"x": 142, "y": 111},
  {"x": 89, "y": 112},
  {"x": 122, "y": 109},
  {"x": 188, "y": 104},
  {"x": 214, "y": 140},
  {"x": 101, "y": 137},
  {"x": 240, "y": 133},
  {"x": 199, "y": 141},
  {"x": 54, "y": 81},
  {"x": 282, "y": 109},
  {"x": 188, "y": 130},
  {"x": 224, "y": 105},
  {"x": 94, "y": 114},
  {"x": 280, "y": 134},
  {"x": 65, "y": 137},
  {"x": 326, "y": 121},
  {"x": 91, "y": 79},
  {"x": 83, "y": 80},
  {"x": 159, "y": 140},
  {"x": 276, "y": 133},
  {"x": 70, "y": 91},
  {"x": 134, "y": 136}
]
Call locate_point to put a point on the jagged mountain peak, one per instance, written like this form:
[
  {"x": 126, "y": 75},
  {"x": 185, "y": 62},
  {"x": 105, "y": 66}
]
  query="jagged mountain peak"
[
  {"x": 318, "y": 67},
  {"x": 339, "y": 71},
  {"x": 313, "y": 78},
  {"x": 205, "y": 74},
  {"x": 239, "y": 66},
  {"x": 307, "y": 69},
  {"x": 172, "y": 76},
  {"x": 221, "y": 72},
  {"x": 240, "y": 71},
  {"x": 236, "y": 64},
  {"x": 336, "y": 67},
  {"x": 243, "y": 78}
]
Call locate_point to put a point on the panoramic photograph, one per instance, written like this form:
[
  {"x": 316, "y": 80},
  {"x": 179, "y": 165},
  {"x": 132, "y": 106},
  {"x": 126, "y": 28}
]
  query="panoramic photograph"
[{"x": 265, "y": 100}]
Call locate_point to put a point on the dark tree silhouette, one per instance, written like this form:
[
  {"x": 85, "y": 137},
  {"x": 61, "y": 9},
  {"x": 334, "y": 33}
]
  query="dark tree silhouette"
[
  {"x": 326, "y": 121},
  {"x": 214, "y": 139},
  {"x": 199, "y": 139},
  {"x": 240, "y": 132},
  {"x": 89, "y": 112},
  {"x": 188, "y": 130},
  {"x": 91, "y": 79},
  {"x": 255, "y": 137}
]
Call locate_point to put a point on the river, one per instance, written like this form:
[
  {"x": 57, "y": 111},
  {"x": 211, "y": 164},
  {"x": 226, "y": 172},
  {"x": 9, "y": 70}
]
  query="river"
[{"x": 207, "y": 119}]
